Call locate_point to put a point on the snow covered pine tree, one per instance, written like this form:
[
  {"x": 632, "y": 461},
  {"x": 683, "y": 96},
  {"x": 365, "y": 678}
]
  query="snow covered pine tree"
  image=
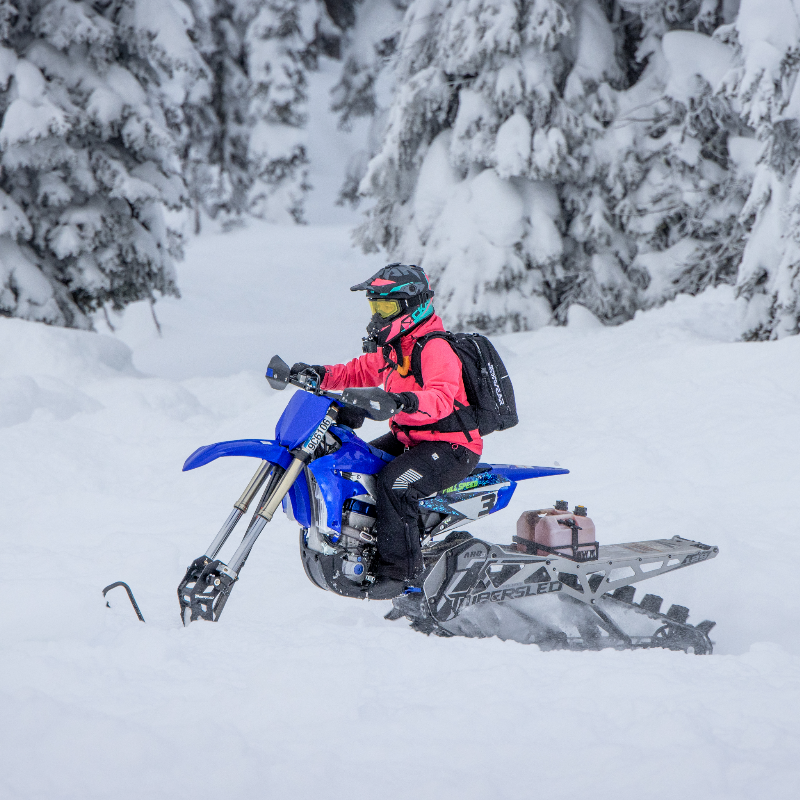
[
  {"x": 765, "y": 89},
  {"x": 246, "y": 150},
  {"x": 282, "y": 40},
  {"x": 543, "y": 153},
  {"x": 487, "y": 173},
  {"x": 668, "y": 154},
  {"x": 214, "y": 147},
  {"x": 91, "y": 110},
  {"x": 371, "y": 33}
]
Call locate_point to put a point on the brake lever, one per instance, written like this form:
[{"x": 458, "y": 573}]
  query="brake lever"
[{"x": 305, "y": 382}]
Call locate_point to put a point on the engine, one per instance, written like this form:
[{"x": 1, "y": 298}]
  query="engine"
[{"x": 353, "y": 548}]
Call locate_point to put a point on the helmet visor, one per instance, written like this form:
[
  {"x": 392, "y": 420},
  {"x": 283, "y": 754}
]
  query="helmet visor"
[{"x": 385, "y": 308}]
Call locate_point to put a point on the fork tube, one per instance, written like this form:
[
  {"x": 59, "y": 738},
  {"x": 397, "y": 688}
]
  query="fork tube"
[
  {"x": 304, "y": 454},
  {"x": 274, "y": 479},
  {"x": 252, "y": 488},
  {"x": 239, "y": 508},
  {"x": 240, "y": 556},
  {"x": 295, "y": 468},
  {"x": 272, "y": 482},
  {"x": 224, "y": 532},
  {"x": 264, "y": 516}
]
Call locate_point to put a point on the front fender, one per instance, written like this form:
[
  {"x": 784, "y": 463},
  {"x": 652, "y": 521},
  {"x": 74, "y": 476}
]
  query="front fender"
[{"x": 264, "y": 449}]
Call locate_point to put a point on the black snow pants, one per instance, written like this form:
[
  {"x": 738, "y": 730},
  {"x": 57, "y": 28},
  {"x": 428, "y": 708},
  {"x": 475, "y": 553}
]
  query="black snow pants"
[{"x": 421, "y": 470}]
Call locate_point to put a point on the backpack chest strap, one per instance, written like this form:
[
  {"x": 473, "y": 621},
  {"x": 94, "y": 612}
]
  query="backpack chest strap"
[
  {"x": 463, "y": 419},
  {"x": 416, "y": 353}
]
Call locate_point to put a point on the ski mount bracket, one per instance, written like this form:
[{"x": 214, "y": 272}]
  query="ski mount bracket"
[{"x": 204, "y": 590}]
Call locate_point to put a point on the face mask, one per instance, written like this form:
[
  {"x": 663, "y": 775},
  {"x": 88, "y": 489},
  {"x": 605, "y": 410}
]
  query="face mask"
[{"x": 382, "y": 331}]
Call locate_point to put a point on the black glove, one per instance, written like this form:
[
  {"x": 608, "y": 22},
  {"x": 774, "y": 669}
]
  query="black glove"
[
  {"x": 313, "y": 371},
  {"x": 407, "y": 402}
]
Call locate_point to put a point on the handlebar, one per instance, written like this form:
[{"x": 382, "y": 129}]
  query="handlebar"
[{"x": 374, "y": 402}]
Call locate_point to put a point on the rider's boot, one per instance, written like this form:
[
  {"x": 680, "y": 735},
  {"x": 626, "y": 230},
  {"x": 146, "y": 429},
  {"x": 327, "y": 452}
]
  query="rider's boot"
[{"x": 384, "y": 588}]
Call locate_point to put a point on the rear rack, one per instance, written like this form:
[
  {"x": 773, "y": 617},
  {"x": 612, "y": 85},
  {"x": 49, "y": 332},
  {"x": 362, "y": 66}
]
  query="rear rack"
[{"x": 588, "y": 551}]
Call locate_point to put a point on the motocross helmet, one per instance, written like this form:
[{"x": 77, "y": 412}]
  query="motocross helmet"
[{"x": 399, "y": 296}]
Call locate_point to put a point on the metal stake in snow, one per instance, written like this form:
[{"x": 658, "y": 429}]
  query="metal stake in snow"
[{"x": 130, "y": 596}]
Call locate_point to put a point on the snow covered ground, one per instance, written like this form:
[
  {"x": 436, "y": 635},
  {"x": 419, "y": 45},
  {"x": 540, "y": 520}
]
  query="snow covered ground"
[{"x": 667, "y": 426}]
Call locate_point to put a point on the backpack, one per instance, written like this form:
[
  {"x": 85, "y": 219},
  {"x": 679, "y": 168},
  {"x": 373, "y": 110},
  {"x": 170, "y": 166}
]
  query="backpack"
[{"x": 490, "y": 395}]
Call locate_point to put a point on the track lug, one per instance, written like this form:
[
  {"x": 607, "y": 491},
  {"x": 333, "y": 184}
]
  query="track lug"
[
  {"x": 595, "y": 581},
  {"x": 705, "y": 626},
  {"x": 625, "y": 594},
  {"x": 651, "y": 602},
  {"x": 678, "y": 613}
]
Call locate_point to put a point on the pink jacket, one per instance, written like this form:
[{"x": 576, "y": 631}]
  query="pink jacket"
[{"x": 443, "y": 383}]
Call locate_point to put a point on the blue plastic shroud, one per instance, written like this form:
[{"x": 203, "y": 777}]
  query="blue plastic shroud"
[
  {"x": 516, "y": 473},
  {"x": 353, "y": 456},
  {"x": 300, "y": 501},
  {"x": 264, "y": 449},
  {"x": 300, "y": 417},
  {"x": 299, "y": 420}
]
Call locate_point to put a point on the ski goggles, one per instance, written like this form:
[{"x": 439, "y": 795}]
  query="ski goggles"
[{"x": 385, "y": 308}]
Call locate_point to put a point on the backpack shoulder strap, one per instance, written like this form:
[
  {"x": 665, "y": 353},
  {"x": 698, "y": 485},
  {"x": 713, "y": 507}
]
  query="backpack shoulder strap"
[{"x": 416, "y": 353}]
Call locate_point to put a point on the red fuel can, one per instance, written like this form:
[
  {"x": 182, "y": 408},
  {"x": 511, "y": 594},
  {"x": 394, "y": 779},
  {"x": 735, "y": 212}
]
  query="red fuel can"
[{"x": 552, "y": 532}]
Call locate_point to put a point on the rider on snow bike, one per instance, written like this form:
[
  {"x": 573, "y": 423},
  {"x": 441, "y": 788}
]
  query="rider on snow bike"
[
  {"x": 363, "y": 512},
  {"x": 433, "y": 448}
]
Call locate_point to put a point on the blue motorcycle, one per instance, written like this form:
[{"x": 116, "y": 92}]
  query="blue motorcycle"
[{"x": 323, "y": 476}]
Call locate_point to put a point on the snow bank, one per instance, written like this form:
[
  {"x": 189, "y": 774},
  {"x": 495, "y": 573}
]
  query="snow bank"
[
  {"x": 32, "y": 348},
  {"x": 667, "y": 424},
  {"x": 44, "y": 368}
]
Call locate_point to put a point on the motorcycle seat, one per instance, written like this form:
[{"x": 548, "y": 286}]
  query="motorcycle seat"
[{"x": 479, "y": 468}]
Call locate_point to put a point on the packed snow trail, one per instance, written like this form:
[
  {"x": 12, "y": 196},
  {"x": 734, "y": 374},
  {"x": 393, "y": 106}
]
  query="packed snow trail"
[{"x": 666, "y": 425}]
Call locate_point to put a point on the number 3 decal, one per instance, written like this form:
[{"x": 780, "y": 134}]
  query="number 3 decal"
[{"x": 489, "y": 501}]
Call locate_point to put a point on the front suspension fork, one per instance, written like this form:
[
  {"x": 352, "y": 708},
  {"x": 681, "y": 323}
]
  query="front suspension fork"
[{"x": 208, "y": 582}]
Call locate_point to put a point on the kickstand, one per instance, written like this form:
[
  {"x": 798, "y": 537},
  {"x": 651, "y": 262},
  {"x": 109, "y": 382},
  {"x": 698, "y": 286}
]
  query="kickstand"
[{"x": 130, "y": 596}]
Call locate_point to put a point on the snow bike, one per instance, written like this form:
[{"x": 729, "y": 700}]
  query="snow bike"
[{"x": 557, "y": 593}]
